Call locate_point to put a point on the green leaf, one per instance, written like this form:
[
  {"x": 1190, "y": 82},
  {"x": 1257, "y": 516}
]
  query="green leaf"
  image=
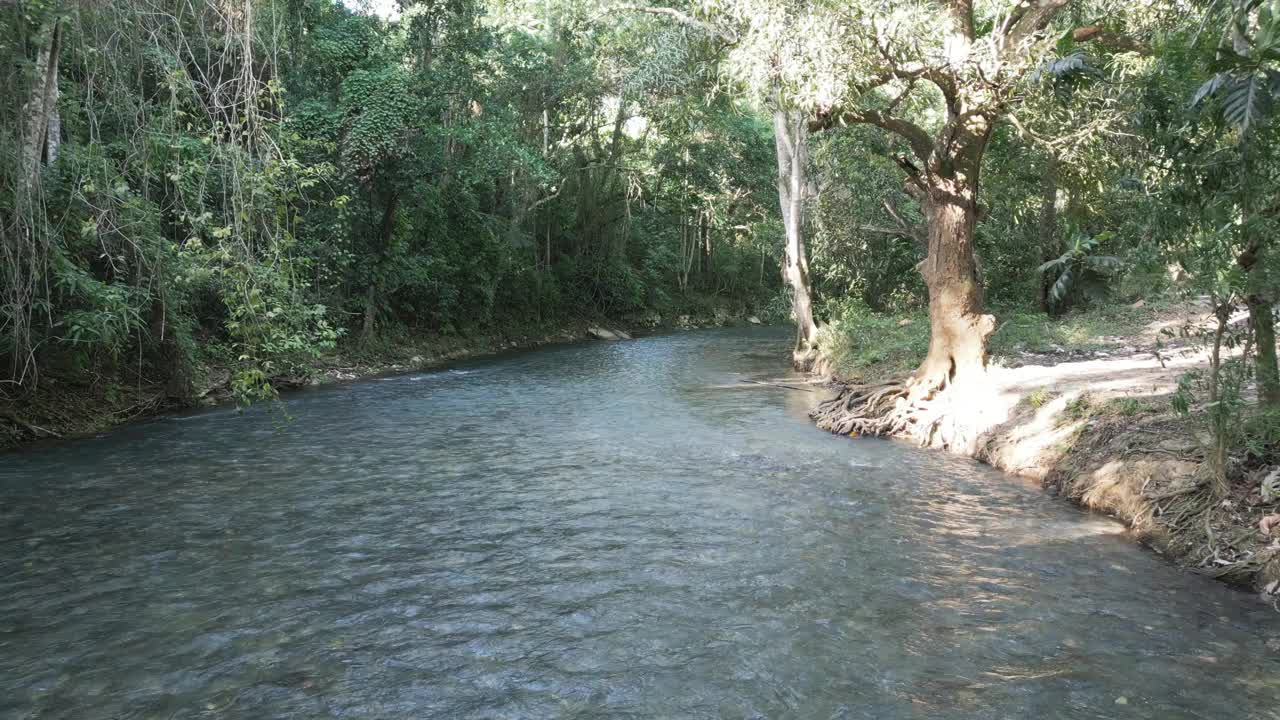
[
  {"x": 1066, "y": 41},
  {"x": 1062, "y": 286},
  {"x": 1210, "y": 87},
  {"x": 1248, "y": 102}
]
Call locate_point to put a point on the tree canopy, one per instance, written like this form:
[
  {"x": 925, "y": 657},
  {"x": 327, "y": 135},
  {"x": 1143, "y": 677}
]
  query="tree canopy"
[{"x": 254, "y": 182}]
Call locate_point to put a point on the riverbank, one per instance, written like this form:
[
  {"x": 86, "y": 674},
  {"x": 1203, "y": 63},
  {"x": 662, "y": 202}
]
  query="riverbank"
[
  {"x": 1084, "y": 405},
  {"x": 78, "y": 406}
]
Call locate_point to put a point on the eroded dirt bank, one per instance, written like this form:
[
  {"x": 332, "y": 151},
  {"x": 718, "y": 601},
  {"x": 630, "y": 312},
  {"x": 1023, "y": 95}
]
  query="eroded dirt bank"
[{"x": 1098, "y": 427}]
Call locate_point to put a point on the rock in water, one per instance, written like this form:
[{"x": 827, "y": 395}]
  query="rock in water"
[
  {"x": 622, "y": 335},
  {"x": 753, "y": 320},
  {"x": 601, "y": 334}
]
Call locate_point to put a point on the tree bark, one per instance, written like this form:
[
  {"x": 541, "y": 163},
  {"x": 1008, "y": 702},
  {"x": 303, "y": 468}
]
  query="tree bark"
[
  {"x": 791, "y": 141},
  {"x": 958, "y": 328},
  {"x": 36, "y": 115},
  {"x": 1260, "y": 299},
  {"x": 1048, "y": 228},
  {"x": 385, "y": 233},
  {"x": 1262, "y": 316}
]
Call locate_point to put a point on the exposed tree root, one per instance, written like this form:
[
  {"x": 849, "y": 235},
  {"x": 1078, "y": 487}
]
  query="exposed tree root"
[{"x": 912, "y": 407}]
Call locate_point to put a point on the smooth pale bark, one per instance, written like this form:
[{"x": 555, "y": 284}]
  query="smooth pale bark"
[
  {"x": 40, "y": 105},
  {"x": 791, "y": 141}
]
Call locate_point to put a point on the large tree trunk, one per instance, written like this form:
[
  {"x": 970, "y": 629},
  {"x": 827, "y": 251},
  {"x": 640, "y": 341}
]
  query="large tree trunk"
[
  {"x": 791, "y": 140},
  {"x": 958, "y": 328}
]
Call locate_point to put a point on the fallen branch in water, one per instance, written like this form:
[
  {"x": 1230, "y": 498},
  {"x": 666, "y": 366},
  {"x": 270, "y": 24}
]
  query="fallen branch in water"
[{"x": 773, "y": 384}]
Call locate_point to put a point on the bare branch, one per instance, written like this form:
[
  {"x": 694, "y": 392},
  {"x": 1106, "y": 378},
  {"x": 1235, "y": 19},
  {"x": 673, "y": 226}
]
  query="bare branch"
[
  {"x": 892, "y": 232},
  {"x": 896, "y": 70},
  {"x": 916, "y": 232},
  {"x": 916, "y": 137}
]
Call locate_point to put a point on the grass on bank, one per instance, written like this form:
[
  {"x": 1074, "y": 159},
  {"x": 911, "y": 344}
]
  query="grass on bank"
[{"x": 868, "y": 346}]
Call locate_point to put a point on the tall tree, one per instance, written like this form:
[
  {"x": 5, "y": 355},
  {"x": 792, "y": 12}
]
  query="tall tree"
[
  {"x": 974, "y": 70},
  {"x": 1247, "y": 87},
  {"x": 791, "y": 138}
]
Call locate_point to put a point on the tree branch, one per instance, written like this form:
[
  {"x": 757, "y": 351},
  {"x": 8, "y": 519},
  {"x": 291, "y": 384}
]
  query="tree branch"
[
  {"x": 1110, "y": 40},
  {"x": 1029, "y": 18},
  {"x": 916, "y": 137},
  {"x": 961, "y": 12},
  {"x": 944, "y": 80}
]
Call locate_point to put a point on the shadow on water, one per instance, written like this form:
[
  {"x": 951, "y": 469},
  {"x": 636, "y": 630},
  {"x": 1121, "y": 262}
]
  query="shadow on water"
[{"x": 600, "y": 530}]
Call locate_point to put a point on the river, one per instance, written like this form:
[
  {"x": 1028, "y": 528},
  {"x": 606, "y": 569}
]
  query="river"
[{"x": 605, "y": 530}]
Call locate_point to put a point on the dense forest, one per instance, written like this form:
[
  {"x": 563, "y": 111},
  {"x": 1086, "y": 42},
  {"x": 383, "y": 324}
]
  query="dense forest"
[
  {"x": 253, "y": 183},
  {"x": 249, "y": 184}
]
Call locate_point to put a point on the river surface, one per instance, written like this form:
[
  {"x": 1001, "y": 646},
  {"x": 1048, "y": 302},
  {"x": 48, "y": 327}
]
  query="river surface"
[{"x": 608, "y": 530}]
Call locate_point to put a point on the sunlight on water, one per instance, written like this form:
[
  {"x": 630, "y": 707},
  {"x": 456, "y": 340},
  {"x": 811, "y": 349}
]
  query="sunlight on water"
[{"x": 605, "y": 530}]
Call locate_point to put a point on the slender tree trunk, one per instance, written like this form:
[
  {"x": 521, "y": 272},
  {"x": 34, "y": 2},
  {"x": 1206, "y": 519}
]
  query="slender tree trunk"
[
  {"x": 791, "y": 141},
  {"x": 1048, "y": 228},
  {"x": 371, "y": 294},
  {"x": 1218, "y": 456},
  {"x": 370, "y": 310},
  {"x": 1260, "y": 299},
  {"x": 1260, "y": 296},
  {"x": 704, "y": 248},
  {"x": 40, "y": 105},
  {"x": 1262, "y": 316},
  {"x": 959, "y": 330}
]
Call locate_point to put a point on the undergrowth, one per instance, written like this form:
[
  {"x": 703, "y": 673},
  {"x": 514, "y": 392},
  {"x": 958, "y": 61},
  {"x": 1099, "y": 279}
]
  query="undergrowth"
[{"x": 865, "y": 345}]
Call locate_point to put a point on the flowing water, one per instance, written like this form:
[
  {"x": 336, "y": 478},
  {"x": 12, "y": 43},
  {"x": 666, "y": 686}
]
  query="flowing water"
[{"x": 609, "y": 530}]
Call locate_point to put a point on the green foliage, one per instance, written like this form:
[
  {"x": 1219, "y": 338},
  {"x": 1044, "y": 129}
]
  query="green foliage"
[
  {"x": 1039, "y": 397},
  {"x": 869, "y": 346},
  {"x": 1078, "y": 408},
  {"x": 1080, "y": 272},
  {"x": 252, "y": 196},
  {"x": 1128, "y": 407}
]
